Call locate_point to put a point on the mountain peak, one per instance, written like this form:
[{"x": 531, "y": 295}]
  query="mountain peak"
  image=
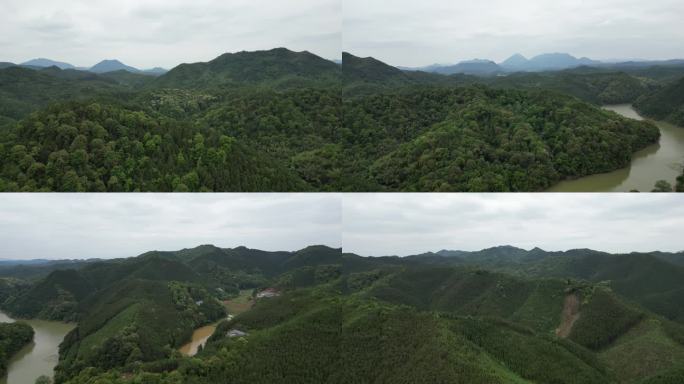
[
  {"x": 43, "y": 62},
  {"x": 111, "y": 65},
  {"x": 516, "y": 60}
]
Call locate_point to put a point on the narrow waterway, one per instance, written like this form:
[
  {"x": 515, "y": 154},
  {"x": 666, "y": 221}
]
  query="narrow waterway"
[
  {"x": 662, "y": 161},
  {"x": 39, "y": 357},
  {"x": 199, "y": 337}
]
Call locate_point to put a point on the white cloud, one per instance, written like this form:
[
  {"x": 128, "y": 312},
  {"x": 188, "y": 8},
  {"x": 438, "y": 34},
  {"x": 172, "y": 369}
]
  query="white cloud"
[
  {"x": 120, "y": 225},
  {"x": 445, "y": 31},
  {"x": 147, "y": 33},
  {"x": 58, "y": 226},
  {"x": 404, "y": 224}
]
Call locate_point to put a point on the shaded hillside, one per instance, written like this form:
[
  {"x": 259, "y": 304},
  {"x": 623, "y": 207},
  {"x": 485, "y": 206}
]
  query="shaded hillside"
[
  {"x": 664, "y": 104},
  {"x": 315, "y": 335},
  {"x": 30, "y": 271},
  {"x": 336, "y": 311},
  {"x": 13, "y": 337},
  {"x": 647, "y": 279},
  {"x": 371, "y": 70},
  {"x": 363, "y": 76},
  {"x": 23, "y": 90},
  {"x": 475, "y": 292},
  {"x": 54, "y": 298}
]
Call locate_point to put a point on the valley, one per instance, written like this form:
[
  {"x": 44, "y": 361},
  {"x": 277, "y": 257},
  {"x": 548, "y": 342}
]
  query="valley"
[
  {"x": 279, "y": 120},
  {"x": 499, "y": 315}
]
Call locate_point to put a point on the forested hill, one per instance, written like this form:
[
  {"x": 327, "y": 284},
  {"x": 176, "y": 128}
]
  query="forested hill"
[
  {"x": 664, "y": 104},
  {"x": 501, "y": 315},
  {"x": 280, "y": 68},
  {"x": 654, "y": 280},
  {"x": 280, "y": 120},
  {"x": 141, "y": 309},
  {"x": 594, "y": 85},
  {"x": 482, "y": 139},
  {"x": 366, "y": 75},
  {"x": 24, "y": 90},
  {"x": 13, "y": 337}
]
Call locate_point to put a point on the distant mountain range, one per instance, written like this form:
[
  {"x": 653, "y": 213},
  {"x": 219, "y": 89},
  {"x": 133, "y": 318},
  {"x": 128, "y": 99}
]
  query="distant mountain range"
[
  {"x": 539, "y": 63},
  {"x": 104, "y": 66},
  {"x": 477, "y": 67},
  {"x": 42, "y": 62}
]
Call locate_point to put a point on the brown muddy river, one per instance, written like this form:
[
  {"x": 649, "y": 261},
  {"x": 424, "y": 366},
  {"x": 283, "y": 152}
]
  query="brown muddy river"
[{"x": 199, "y": 337}]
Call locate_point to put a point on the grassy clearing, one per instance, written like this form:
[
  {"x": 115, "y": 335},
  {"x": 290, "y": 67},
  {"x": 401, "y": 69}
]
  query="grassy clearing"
[{"x": 240, "y": 304}]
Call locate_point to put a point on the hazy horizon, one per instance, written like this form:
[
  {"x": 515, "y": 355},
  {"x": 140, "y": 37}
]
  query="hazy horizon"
[
  {"x": 146, "y": 68},
  {"x": 76, "y": 226},
  {"x": 81, "y": 226},
  {"x": 164, "y": 33},
  {"x": 410, "y": 224},
  {"x": 439, "y": 31}
]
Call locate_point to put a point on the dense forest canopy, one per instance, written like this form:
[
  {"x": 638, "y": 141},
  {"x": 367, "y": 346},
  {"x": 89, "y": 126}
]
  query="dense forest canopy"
[
  {"x": 498, "y": 315},
  {"x": 13, "y": 337},
  {"x": 291, "y": 121}
]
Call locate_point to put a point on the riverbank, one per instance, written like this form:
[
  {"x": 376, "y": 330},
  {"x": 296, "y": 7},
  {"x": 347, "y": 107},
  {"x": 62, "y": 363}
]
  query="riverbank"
[
  {"x": 39, "y": 357},
  {"x": 661, "y": 161}
]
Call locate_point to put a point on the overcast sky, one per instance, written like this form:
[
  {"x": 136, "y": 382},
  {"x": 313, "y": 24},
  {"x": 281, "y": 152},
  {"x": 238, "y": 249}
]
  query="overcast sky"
[
  {"x": 405, "y": 224},
  {"x": 416, "y": 33},
  {"x": 149, "y": 33},
  {"x": 57, "y": 226}
]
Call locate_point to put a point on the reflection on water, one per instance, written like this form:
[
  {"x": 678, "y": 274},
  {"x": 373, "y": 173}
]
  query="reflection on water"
[
  {"x": 39, "y": 357},
  {"x": 662, "y": 161}
]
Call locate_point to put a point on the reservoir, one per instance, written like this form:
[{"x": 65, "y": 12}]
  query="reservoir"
[
  {"x": 662, "y": 161},
  {"x": 39, "y": 357}
]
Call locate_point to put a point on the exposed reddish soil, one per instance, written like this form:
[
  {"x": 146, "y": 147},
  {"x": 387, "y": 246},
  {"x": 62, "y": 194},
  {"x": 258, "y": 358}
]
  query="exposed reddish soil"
[{"x": 569, "y": 316}]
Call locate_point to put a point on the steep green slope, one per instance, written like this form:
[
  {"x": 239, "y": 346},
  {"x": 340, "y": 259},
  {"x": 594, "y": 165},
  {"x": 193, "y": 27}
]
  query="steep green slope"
[
  {"x": 342, "y": 318},
  {"x": 602, "y": 319},
  {"x": 315, "y": 336},
  {"x": 650, "y": 281},
  {"x": 54, "y": 298},
  {"x": 367, "y": 75},
  {"x": 135, "y": 321},
  {"x": 664, "y": 104},
  {"x": 647, "y": 350},
  {"x": 646, "y": 278}
]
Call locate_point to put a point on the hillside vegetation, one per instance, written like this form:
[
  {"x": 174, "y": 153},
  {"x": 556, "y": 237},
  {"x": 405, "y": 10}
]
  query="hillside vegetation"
[
  {"x": 13, "y": 337},
  {"x": 479, "y": 139},
  {"x": 664, "y": 104},
  {"x": 280, "y": 120},
  {"x": 490, "y": 316}
]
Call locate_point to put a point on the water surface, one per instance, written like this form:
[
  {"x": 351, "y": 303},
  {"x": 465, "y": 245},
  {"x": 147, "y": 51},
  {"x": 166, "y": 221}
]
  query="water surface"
[
  {"x": 662, "y": 161},
  {"x": 40, "y": 356},
  {"x": 199, "y": 337}
]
